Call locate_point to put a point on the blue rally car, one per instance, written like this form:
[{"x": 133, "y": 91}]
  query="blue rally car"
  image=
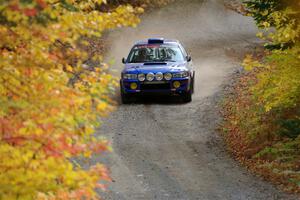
[{"x": 157, "y": 66}]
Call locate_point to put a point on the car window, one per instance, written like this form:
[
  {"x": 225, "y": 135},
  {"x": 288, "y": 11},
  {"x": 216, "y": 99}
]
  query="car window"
[{"x": 155, "y": 53}]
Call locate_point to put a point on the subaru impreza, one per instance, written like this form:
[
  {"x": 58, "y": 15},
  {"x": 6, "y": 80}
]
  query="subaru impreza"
[{"x": 157, "y": 67}]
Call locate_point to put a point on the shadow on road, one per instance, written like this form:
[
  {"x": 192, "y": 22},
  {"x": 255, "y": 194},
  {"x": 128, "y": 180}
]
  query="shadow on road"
[{"x": 154, "y": 99}]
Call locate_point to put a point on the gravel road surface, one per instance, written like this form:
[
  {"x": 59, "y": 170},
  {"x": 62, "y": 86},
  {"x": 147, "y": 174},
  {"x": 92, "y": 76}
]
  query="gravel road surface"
[{"x": 167, "y": 150}]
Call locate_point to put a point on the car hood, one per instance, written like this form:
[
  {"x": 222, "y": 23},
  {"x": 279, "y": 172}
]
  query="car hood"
[{"x": 155, "y": 67}]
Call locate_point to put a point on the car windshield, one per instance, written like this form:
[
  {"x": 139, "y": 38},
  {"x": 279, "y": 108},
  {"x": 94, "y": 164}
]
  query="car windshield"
[{"x": 155, "y": 53}]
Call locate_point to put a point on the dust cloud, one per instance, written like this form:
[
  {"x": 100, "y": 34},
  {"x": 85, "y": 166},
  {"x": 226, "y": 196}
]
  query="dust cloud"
[{"x": 205, "y": 28}]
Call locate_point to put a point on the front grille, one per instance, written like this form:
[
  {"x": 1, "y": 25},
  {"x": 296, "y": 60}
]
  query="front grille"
[{"x": 161, "y": 86}]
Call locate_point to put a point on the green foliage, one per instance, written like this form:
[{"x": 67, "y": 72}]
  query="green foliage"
[
  {"x": 290, "y": 127},
  {"x": 261, "y": 9},
  {"x": 283, "y": 15}
]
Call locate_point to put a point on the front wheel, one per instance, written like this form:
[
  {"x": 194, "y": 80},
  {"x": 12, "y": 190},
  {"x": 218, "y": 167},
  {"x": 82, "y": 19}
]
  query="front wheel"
[
  {"x": 125, "y": 99},
  {"x": 187, "y": 97},
  {"x": 193, "y": 83}
]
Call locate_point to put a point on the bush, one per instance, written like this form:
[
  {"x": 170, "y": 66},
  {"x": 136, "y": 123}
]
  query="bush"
[
  {"x": 262, "y": 119},
  {"x": 44, "y": 120},
  {"x": 290, "y": 128}
]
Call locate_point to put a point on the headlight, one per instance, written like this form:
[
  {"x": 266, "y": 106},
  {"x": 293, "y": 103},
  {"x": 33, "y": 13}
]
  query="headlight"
[
  {"x": 129, "y": 76},
  {"x": 141, "y": 77},
  {"x": 150, "y": 76},
  {"x": 159, "y": 76},
  {"x": 181, "y": 74},
  {"x": 168, "y": 76}
]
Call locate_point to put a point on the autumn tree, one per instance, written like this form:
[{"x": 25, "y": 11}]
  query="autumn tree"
[
  {"x": 50, "y": 98},
  {"x": 278, "y": 87},
  {"x": 262, "y": 118}
]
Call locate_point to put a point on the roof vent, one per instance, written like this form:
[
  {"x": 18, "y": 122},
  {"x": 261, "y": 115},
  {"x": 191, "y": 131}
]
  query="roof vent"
[
  {"x": 156, "y": 41},
  {"x": 155, "y": 63}
]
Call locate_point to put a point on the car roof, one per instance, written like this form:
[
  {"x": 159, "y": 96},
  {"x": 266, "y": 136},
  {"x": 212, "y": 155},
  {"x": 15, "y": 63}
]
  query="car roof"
[{"x": 157, "y": 41}]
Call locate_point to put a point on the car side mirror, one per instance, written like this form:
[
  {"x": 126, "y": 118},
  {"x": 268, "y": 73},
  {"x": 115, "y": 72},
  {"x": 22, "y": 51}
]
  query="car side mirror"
[
  {"x": 189, "y": 58},
  {"x": 123, "y": 60}
]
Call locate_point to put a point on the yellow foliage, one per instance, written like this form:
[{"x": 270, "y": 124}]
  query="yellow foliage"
[
  {"x": 47, "y": 97},
  {"x": 278, "y": 84}
]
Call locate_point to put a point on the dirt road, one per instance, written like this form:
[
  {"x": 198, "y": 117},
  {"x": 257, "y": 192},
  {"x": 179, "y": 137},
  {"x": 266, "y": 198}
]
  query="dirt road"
[{"x": 165, "y": 150}]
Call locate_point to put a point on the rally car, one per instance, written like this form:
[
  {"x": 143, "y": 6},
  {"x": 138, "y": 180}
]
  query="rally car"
[{"x": 157, "y": 66}]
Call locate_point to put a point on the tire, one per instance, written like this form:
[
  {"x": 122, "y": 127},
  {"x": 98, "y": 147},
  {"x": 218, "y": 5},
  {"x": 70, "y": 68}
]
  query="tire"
[
  {"x": 193, "y": 83},
  {"x": 125, "y": 98},
  {"x": 187, "y": 97}
]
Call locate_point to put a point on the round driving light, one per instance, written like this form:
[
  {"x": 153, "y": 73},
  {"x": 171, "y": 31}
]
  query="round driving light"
[
  {"x": 141, "y": 77},
  {"x": 150, "y": 76},
  {"x": 168, "y": 76},
  {"x": 176, "y": 84},
  {"x": 133, "y": 86},
  {"x": 159, "y": 76}
]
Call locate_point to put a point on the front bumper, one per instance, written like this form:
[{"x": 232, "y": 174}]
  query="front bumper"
[{"x": 156, "y": 87}]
